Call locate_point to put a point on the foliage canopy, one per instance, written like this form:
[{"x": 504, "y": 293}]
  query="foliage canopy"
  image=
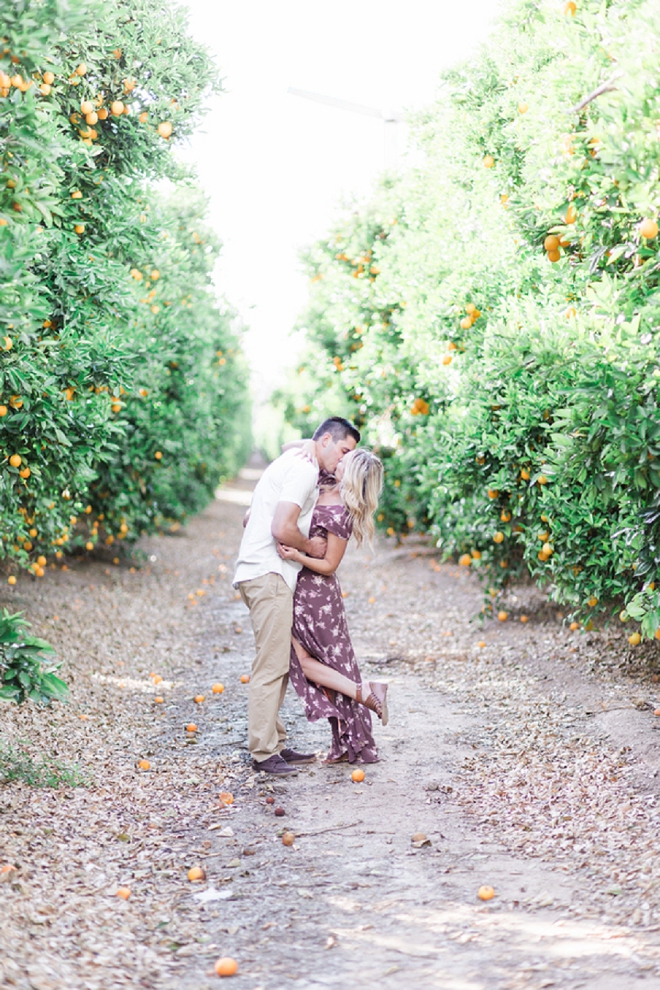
[{"x": 491, "y": 316}]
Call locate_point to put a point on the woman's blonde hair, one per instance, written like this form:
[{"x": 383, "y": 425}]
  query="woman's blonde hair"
[{"x": 359, "y": 488}]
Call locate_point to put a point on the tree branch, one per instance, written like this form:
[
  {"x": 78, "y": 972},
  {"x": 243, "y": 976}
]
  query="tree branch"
[{"x": 606, "y": 87}]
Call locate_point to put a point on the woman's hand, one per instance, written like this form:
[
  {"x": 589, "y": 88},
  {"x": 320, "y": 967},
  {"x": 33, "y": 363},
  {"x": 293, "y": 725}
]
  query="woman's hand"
[
  {"x": 308, "y": 452},
  {"x": 289, "y": 553}
]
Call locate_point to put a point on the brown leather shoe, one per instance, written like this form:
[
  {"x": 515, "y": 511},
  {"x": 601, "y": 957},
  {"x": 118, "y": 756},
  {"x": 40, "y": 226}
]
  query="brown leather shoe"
[
  {"x": 376, "y": 700},
  {"x": 275, "y": 765},
  {"x": 290, "y": 756}
]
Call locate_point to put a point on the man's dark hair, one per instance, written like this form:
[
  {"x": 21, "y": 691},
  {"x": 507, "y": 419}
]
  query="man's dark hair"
[{"x": 338, "y": 429}]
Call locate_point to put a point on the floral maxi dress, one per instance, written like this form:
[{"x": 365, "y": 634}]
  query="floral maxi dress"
[{"x": 319, "y": 623}]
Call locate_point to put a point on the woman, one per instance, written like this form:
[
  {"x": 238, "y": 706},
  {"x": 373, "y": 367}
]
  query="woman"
[{"x": 323, "y": 669}]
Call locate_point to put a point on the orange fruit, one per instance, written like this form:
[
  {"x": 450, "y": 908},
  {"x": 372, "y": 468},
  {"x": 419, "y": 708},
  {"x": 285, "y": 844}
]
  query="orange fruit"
[
  {"x": 86, "y": 107},
  {"x": 81, "y": 70},
  {"x": 245, "y": 678},
  {"x": 41, "y": 561},
  {"x": 554, "y": 256},
  {"x": 117, "y": 108},
  {"x": 157, "y": 679},
  {"x": 191, "y": 727},
  {"x": 447, "y": 359},
  {"x": 103, "y": 113},
  {"x": 226, "y": 966},
  {"x": 502, "y": 616},
  {"x": 522, "y": 108},
  {"x": 485, "y": 893},
  {"x": 542, "y": 480},
  {"x": 49, "y": 78},
  {"x": 196, "y": 873},
  {"x": 144, "y": 765},
  {"x": 524, "y": 618},
  {"x": 571, "y": 214},
  {"x": 124, "y": 893},
  {"x": 470, "y": 308},
  {"x": 218, "y": 688},
  {"x": 634, "y": 639},
  {"x": 476, "y": 554},
  {"x": 481, "y": 644},
  {"x": 3, "y": 410},
  {"x": 357, "y": 776},
  {"x": 144, "y": 117},
  {"x": 657, "y": 634},
  {"x": 159, "y": 699},
  {"x": 570, "y": 312},
  {"x": 16, "y": 460},
  {"x": 573, "y": 626},
  {"x": 25, "y": 472},
  {"x": 199, "y": 698},
  {"x": 158, "y": 455},
  {"x": 551, "y": 243},
  {"x": 489, "y": 161},
  {"x": 492, "y": 493},
  {"x": 498, "y": 537},
  {"x": 466, "y": 323},
  {"x": 592, "y": 601},
  {"x": 226, "y": 797},
  {"x": 465, "y": 560},
  {"x": 524, "y": 474},
  {"x": 288, "y": 839},
  {"x": 648, "y": 228},
  {"x": 11, "y": 579},
  {"x": 164, "y": 129},
  {"x": 79, "y": 228}
]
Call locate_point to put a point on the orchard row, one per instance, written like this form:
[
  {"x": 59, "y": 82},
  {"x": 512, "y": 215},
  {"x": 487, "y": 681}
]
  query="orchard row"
[
  {"x": 122, "y": 383},
  {"x": 491, "y": 315}
]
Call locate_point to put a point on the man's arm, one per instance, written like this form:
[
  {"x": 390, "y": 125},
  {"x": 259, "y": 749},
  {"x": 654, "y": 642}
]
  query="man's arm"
[{"x": 285, "y": 530}]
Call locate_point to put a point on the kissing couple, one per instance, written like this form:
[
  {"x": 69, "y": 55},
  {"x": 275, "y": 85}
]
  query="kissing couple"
[{"x": 304, "y": 509}]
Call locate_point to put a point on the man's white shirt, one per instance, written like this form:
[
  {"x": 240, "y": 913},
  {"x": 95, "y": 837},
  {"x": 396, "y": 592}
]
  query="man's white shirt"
[{"x": 290, "y": 478}]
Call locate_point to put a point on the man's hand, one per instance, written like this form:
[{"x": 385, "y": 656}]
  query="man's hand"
[
  {"x": 285, "y": 530},
  {"x": 317, "y": 547}
]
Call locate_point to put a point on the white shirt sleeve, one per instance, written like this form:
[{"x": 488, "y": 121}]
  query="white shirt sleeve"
[{"x": 299, "y": 483}]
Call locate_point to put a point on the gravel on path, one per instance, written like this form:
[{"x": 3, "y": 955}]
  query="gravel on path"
[{"x": 530, "y": 763}]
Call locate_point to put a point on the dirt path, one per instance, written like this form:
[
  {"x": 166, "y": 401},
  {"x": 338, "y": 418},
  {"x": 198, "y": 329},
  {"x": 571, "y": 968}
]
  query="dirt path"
[{"x": 530, "y": 763}]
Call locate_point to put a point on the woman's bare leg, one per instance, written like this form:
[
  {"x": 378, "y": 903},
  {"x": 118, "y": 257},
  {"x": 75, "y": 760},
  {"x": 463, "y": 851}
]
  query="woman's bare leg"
[{"x": 322, "y": 675}]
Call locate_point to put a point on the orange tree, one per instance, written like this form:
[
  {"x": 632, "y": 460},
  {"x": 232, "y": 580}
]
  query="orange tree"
[
  {"x": 491, "y": 313},
  {"x": 122, "y": 384}
]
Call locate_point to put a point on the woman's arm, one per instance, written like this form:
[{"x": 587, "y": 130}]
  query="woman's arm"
[
  {"x": 305, "y": 448},
  {"x": 326, "y": 565}
]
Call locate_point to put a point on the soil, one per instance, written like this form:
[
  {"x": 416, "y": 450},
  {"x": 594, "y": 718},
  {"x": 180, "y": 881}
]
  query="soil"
[{"x": 530, "y": 763}]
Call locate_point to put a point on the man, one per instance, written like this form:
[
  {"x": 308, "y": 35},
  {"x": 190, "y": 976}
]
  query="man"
[{"x": 281, "y": 511}]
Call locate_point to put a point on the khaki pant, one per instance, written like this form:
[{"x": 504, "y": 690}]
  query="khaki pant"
[{"x": 270, "y": 601}]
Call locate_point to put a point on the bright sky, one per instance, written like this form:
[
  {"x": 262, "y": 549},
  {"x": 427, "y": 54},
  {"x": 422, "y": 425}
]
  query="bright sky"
[{"x": 275, "y": 165}]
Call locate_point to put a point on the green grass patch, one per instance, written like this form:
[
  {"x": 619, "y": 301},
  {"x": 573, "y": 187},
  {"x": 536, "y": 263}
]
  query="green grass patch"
[{"x": 38, "y": 770}]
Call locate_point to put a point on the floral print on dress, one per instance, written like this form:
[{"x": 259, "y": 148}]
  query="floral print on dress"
[{"x": 319, "y": 623}]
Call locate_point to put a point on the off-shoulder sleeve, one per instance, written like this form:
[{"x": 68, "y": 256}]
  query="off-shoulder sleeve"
[{"x": 339, "y": 522}]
